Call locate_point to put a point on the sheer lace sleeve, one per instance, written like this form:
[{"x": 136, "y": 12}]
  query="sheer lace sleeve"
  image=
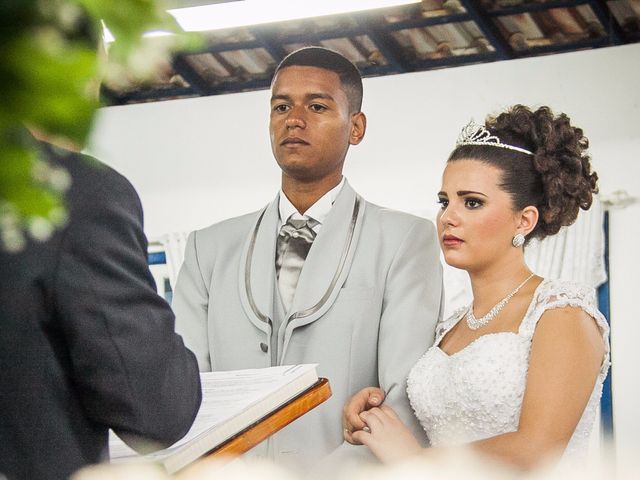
[
  {"x": 445, "y": 325},
  {"x": 559, "y": 294}
]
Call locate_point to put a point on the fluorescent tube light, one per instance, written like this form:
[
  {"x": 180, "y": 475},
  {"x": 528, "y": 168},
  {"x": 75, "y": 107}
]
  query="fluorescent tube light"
[{"x": 254, "y": 12}]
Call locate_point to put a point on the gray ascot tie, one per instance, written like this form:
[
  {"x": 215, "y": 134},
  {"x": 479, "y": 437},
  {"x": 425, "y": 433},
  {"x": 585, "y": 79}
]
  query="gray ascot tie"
[{"x": 292, "y": 247}]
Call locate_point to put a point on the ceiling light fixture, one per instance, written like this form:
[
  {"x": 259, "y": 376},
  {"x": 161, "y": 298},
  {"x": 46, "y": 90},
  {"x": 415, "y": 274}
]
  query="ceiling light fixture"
[{"x": 254, "y": 12}]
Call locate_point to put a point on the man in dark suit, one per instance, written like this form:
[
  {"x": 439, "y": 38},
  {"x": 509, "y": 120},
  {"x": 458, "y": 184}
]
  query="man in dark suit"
[{"x": 86, "y": 344}]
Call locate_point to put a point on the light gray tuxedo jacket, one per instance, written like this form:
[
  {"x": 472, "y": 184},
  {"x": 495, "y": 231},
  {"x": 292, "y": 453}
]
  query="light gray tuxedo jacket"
[{"x": 365, "y": 309}]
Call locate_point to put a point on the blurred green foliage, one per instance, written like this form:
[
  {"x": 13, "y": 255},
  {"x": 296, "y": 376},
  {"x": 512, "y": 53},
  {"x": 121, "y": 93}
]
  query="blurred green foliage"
[{"x": 50, "y": 66}]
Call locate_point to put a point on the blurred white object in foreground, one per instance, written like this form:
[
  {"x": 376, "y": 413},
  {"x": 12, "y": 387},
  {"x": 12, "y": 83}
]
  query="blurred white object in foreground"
[{"x": 446, "y": 464}]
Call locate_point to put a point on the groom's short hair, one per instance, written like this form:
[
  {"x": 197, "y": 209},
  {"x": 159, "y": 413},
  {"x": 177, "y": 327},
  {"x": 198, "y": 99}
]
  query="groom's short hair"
[{"x": 327, "y": 59}]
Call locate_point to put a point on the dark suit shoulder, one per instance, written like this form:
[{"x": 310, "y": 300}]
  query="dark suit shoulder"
[
  {"x": 93, "y": 183},
  {"x": 93, "y": 188}
]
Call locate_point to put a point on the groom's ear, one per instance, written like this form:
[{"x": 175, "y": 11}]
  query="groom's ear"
[{"x": 358, "y": 128}]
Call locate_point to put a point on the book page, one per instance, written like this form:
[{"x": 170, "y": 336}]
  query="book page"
[{"x": 225, "y": 395}]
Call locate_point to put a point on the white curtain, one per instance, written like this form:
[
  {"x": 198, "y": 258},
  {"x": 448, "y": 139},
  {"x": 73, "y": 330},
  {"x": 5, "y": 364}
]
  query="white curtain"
[
  {"x": 575, "y": 253},
  {"x": 174, "y": 245}
]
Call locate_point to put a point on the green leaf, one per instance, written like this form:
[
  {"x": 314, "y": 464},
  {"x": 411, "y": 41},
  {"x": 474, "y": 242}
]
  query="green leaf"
[{"x": 49, "y": 72}]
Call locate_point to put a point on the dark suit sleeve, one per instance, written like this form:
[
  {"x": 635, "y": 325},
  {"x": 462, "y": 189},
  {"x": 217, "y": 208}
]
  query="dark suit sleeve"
[{"x": 132, "y": 372}]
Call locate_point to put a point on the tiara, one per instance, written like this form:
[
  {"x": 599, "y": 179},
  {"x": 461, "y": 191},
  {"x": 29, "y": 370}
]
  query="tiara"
[{"x": 474, "y": 134}]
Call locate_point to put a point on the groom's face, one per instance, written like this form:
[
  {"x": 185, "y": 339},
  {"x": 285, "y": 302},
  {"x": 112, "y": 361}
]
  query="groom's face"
[{"x": 310, "y": 125}]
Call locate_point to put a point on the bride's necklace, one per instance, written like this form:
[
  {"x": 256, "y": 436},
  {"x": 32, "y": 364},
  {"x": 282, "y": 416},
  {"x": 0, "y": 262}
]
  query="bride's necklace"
[{"x": 475, "y": 323}]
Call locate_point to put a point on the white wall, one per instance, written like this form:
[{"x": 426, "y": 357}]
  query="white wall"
[{"x": 201, "y": 160}]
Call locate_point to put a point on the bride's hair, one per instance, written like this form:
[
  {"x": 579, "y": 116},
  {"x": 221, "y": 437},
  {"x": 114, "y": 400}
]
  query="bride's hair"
[{"x": 556, "y": 178}]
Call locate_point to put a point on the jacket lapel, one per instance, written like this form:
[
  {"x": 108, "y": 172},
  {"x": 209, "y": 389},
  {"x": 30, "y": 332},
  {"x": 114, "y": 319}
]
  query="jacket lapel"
[
  {"x": 328, "y": 262},
  {"x": 256, "y": 277}
]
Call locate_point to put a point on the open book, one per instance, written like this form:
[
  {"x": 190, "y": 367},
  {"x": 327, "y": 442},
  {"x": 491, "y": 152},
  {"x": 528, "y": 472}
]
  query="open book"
[{"x": 231, "y": 402}]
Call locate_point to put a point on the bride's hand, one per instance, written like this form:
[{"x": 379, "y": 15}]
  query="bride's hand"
[
  {"x": 388, "y": 438},
  {"x": 363, "y": 400}
]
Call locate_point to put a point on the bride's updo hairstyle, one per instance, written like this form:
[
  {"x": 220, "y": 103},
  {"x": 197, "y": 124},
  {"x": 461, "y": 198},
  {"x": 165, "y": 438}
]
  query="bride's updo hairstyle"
[{"x": 550, "y": 168}]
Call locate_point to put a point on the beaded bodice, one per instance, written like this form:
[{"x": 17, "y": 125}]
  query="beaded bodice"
[{"x": 477, "y": 392}]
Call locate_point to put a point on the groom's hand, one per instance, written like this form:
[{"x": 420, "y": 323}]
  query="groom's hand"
[{"x": 363, "y": 400}]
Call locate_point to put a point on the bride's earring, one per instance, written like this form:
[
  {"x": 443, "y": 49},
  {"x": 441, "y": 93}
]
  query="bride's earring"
[{"x": 518, "y": 240}]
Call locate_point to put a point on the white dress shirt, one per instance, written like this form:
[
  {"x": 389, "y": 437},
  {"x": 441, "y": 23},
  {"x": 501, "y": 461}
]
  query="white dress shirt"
[{"x": 318, "y": 211}]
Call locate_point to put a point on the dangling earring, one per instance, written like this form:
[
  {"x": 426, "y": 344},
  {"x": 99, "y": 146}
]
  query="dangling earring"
[{"x": 518, "y": 240}]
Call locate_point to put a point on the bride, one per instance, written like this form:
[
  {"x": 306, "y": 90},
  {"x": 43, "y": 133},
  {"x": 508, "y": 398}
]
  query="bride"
[{"x": 518, "y": 375}]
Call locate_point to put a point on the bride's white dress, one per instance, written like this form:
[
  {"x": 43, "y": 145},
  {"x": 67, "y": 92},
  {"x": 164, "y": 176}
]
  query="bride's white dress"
[{"x": 477, "y": 392}]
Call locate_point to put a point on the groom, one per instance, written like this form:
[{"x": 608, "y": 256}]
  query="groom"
[{"x": 319, "y": 275}]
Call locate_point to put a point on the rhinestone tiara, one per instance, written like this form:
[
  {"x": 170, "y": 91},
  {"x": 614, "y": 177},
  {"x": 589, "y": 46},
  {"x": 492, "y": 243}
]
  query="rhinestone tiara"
[{"x": 474, "y": 134}]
